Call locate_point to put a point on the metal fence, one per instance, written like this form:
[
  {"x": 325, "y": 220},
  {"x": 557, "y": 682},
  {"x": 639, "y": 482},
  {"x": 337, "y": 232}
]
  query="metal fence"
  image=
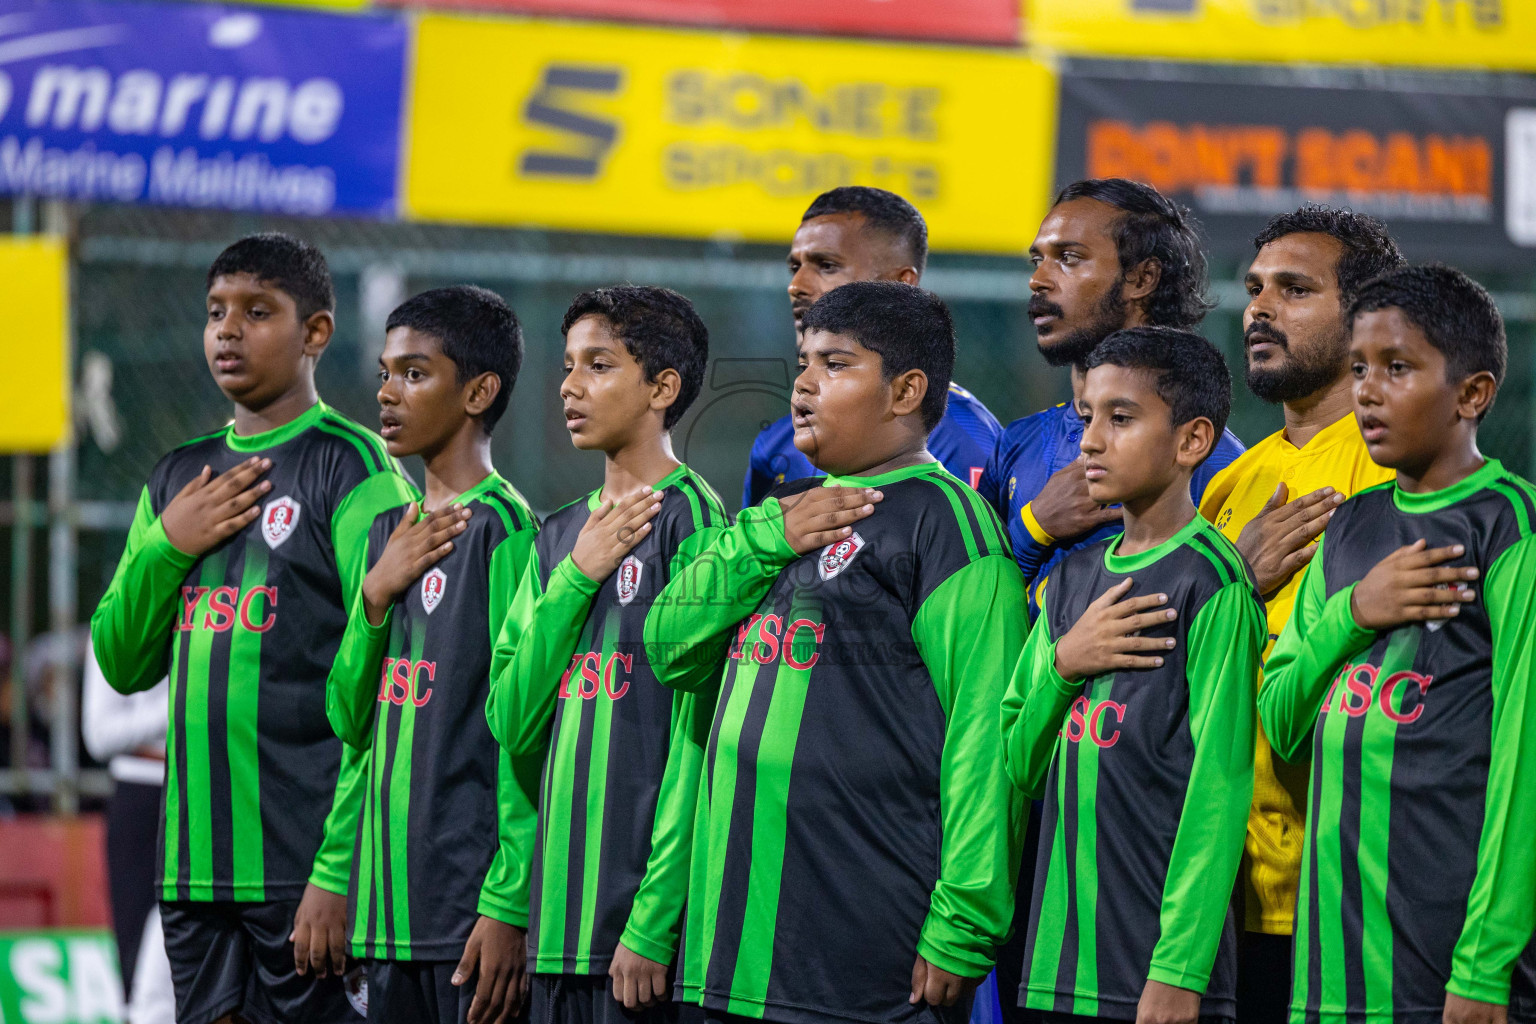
[{"x": 142, "y": 387}]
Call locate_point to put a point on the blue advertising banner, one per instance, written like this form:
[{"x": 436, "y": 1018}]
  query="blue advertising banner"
[{"x": 197, "y": 105}]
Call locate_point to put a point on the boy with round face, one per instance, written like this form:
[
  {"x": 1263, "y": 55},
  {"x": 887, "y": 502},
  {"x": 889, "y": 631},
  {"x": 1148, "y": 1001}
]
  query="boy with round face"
[
  {"x": 1275, "y": 501},
  {"x": 620, "y": 785},
  {"x": 859, "y": 621},
  {"x": 858, "y": 233},
  {"x": 1131, "y": 711},
  {"x": 1405, "y": 673},
  {"x": 243, "y": 561},
  {"x": 443, "y": 808}
]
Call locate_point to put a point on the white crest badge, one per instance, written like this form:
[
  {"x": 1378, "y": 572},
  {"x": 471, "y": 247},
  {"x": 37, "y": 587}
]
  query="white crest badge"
[
  {"x": 433, "y": 584},
  {"x": 835, "y": 557},
  {"x": 628, "y": 578},
  {"x": 1436, "y": 625},
  {"x": 278, "y": 519}
]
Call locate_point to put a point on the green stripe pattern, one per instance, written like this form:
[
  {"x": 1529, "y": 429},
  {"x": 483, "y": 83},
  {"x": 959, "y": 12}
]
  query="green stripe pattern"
[
  {"x": 597, "y": 793},
  {"x": 189, "y": 686},
  {"x": 383, "y": 918},
  {"x": 1378, "y": 741},
  {"x": 240, "y": 718},
  {"x": 198, "y": 802},
  {"x": 1077, "y": 904},
  {"x": 770, "y": 809},
  {"x": 560, "y": 812}
]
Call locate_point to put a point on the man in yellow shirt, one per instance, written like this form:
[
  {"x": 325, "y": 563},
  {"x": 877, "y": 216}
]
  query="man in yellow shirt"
[{"x": 1274, "y": 502}]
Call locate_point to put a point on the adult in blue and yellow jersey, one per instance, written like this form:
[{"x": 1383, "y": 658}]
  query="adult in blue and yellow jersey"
[
  {"x": 1111, "y": 254},
  {"x": 1274, "y": 502},
  {"x": 857, "y": 233}
]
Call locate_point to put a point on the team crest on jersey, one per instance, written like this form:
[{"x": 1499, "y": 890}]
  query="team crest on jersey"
[
  {"x": 433, "y": 584},
  {"x": 1436, "y": 625},
  {"x": 278, "y": 519},
  {"x": 835, "y": 557},
  {"x": 628, "y": 578}
]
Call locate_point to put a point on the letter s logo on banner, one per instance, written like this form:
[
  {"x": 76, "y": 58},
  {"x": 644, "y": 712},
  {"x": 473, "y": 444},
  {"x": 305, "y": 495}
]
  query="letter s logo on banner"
[{"x": 557, "y": 105}]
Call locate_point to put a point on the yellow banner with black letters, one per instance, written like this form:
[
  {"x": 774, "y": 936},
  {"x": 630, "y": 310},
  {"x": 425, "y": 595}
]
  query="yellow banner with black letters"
[
  {"x": 1493, "y": 34},
  {"x": 715, "y": 135}
]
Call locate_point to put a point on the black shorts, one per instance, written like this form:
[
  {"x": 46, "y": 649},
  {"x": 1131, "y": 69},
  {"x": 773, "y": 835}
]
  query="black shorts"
[
  {"x": 588, "y": 999},
  {"x": 1263, "y": 978},
  {"x": 1068, "y": 1018},
  {"x": 417, "y": 992},
  {"x": 961, "y": 1011},
  {"x": 236, "y": 958}
]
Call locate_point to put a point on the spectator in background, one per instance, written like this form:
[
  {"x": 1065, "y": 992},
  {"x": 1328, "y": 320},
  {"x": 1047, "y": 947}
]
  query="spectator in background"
[
  {"x": 858, "y": 233},
  {"x": 1273, "y": 502},
  {"x": 128, "y": 733},
  {"x": 51, "y": 661}
]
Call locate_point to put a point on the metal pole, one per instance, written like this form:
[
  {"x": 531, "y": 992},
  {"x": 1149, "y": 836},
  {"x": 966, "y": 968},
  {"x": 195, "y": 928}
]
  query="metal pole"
[
  {"x": 62, "y": 587},
  {"x": 63, "y": 581},
  {"x": 21, "y": 603},
  {"x": 21, "y": 561}
]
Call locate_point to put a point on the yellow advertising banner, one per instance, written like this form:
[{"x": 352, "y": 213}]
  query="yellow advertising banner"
[
  {"x": 1497, "y": 34},
  {"x": 34, "y": 307},
  {"x": 667, "y": 132}
]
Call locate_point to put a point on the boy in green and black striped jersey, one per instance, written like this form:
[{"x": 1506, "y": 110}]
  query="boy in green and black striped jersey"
[
  {"x": 439, "y": 881},
  {"x": 620, "y": 783},
  {"x": 856, "y": 855},
  {"x": 1406, "y": 673},
  {"x": 243, "y": 559},
  {"x": 1132, "y": 714}
]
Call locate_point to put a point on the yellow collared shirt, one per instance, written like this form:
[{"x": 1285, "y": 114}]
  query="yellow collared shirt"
[{"x": 1335, "y": 458}]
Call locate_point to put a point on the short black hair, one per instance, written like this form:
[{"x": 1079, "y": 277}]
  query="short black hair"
[
  {"x": 659, "y": 327},
  {"x": 1152, "y": 226},
  {"x": 909, "y": 328},
  {"x": 885, "y": 211},
  {"x": 476, "y": 329},
  {"x": 291, "y": 264},
  {"x": 1191, "y": 373},
  {"x": 1368, "y": 247},
  {"x": 1456, "y": 314}
]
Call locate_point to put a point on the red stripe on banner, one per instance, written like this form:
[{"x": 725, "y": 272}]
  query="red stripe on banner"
[{"x": 969, "y": 21}]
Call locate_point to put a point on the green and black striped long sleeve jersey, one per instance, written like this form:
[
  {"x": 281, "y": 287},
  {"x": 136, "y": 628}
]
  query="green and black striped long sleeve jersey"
[
  {"x": 1416, "y": 877},
  {"x": 857, "y": 811},
  {"x": 253, "y": 806},
  {"x": 1146, "y": 776},
  {"x": 447, "y": 817},
  {"x": 620, "y": 782}
]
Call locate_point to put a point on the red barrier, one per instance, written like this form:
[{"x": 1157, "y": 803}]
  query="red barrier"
[
  {"x": 967, "y": 21},
  {"x": 53, "y": 872}
]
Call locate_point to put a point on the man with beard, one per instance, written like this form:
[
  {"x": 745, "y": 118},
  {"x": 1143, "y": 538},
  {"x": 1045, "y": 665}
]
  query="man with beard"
[
  {"x": 1111, "y": 254},
  {"x": 858, "y": 233},
  {"x": 1274, "y": 503}
]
